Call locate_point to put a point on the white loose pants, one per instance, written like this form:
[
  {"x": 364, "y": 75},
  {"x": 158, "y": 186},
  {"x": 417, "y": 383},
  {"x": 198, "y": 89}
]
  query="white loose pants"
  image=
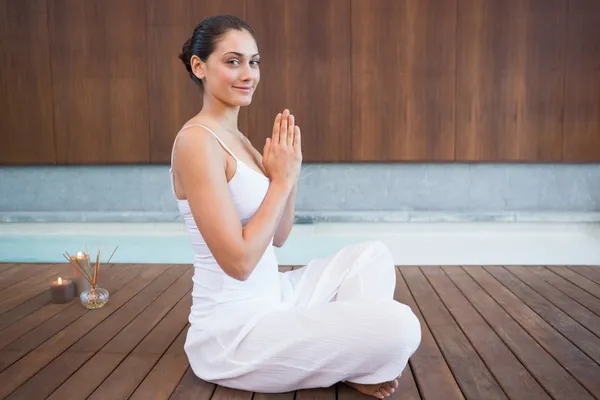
[{"x": 340, "y": 323}]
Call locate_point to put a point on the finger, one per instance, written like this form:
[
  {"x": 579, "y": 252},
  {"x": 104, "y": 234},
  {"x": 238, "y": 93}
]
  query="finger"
[
  {"x": 297, "y": 138},
  {"x": 291, "y": 131},
  {"x": 276, "y": 128},
  {"x": 266, "y": 148},
  {"x": 283, "y": 132}
]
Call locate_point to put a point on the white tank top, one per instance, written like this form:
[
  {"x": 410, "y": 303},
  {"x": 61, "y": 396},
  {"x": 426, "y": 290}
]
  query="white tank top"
[{"x": 217, "y": 299}]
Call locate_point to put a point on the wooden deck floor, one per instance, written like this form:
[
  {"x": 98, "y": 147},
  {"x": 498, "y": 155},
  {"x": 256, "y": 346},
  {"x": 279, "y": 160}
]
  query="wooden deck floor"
[{"x": 488, "y": 333}]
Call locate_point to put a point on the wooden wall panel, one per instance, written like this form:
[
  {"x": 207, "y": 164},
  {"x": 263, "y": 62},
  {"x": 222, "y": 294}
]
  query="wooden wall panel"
[
  {"x": 305, "y": 66},
  {"x": 581, "y": 141},
  {"x": 173, "y": 97},
  {"x": 403, "y": 80},
  {"x": 99, "y": 75},
  {"x": 510, "y": 80},
  {"x": 26, "y": 125},
  {"x": 100, "y": 82}
]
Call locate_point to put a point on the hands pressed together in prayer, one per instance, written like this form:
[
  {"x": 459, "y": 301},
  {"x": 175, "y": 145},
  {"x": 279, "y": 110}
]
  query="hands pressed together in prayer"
[{"x": 282, "y": 154}]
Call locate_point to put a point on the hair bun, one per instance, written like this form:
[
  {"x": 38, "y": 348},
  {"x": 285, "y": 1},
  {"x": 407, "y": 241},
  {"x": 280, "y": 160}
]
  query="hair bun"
[
  {"x": 185, "y": 52},
  {"x": 204, "y": 38}
]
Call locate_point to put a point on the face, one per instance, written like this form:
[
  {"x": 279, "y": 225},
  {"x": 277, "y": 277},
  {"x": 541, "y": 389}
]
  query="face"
[{"x": 231, "y": 72}]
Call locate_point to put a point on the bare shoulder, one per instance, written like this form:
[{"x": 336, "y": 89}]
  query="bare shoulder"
[{"x": 196, "y": 145}]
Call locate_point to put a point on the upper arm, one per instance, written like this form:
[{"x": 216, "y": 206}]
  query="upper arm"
[{"x": 200, "y": 166}]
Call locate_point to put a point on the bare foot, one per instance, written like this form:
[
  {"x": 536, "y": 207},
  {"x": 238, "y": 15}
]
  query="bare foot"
[{"x": 379, "y": 390}]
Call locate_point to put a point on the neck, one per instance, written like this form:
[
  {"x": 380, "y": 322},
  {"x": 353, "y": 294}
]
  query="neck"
[{"x": 223, "y": 114}]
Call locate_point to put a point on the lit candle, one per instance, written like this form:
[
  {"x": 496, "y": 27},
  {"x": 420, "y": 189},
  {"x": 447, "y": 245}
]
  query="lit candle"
[
  {"x": 61, "y": 290},
  {"x": 81, "y": 283}
]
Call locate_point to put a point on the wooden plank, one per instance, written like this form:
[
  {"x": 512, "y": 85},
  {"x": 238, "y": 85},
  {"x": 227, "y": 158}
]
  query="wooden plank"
[
  {"x": 431, "y": 372},
  {"x": 501, "y": 362},
  {"x": 111, "y": 280},
  {"x": 403, "y": 89},
  {"x": 510, "y": 68},
  {"x": 582, "y": 83},
  {"x": 224, "y": 393},
  {"x": 24, "y": 309},
  {"x": 192, "y": 387},
  {"x": 344, "y": 392},
  {"x": 173, "y": 97},
  {"x": 23, "y": 291},
  {"x": 99, "y": 365},
  {"x": 166, "y": 374},
  {"x": 123, "y": 381},
  {"x": 407, "y": 387},
  {"x": 573, "y": 291},
  {"x": 547, "y": 371},
  {"x": 586, "y": 284},
  {"x": 593, "y": 270},
  {"x": 26, "y": 127},
  {"x": 6, "y": 266},
  {"x": 590, "y": 273},
  {"x": 36, "y": 302},
  {"x": 99, "y": 76},
  {"x": 294, "y": 53},
  {"x": 474, "y": 378},
  {"x": 406, "y": 390},
  {"x": 119, "y": 377},
  {"x": 328, "y": 393},
  {"x": 48, "y": 379},
  {"x": 274, "y": 396},
  {"x": 54, "y": 325},
  {"x": 18, "y": 273},
  {"x": 583, "y": 368},
  {"x": 151, "y": 280},
  {"x": 572, "y": 308},
  {"x": 42, "y": 277},
  {"x": 585, "y": 340}
]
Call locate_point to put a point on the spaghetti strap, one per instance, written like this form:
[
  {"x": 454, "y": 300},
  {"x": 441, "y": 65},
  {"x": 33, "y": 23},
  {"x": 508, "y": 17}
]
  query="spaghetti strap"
[
  {"x": 216, "y": 137},
  {"x": 173, "y": 151}
]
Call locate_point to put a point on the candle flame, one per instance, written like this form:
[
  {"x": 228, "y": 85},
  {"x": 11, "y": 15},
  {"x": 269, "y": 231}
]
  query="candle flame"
[
  {"x": 59, "y": 280},
  {"x": 79, "y": 254}
]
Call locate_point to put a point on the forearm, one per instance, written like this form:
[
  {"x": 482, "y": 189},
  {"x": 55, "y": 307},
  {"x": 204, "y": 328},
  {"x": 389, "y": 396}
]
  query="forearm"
[
  {"x": 263, "y": 225},
  {"x": 286, "y": 222}
]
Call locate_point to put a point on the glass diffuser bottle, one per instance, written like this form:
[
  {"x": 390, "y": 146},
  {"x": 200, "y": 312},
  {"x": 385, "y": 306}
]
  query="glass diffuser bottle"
[{"x": 91, "y": 296}]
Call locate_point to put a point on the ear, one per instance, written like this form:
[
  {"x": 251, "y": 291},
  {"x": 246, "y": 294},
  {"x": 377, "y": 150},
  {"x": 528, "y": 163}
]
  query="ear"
[{"x": 198, "y": 67}]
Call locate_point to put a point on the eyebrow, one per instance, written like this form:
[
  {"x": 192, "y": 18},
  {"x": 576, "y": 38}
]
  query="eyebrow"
[{"x": 240, "y": 54}]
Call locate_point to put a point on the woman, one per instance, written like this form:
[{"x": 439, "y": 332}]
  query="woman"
[{"x": 252, "y": 327}]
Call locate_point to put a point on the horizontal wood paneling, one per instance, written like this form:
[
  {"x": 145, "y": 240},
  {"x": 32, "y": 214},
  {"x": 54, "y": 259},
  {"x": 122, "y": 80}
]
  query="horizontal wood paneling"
[
  {"x": 403, "y": 80},
  {"x": 510, "y": 80},
  {"x": 99, "y": 76},
  {"x": 581, "y": 141},
  {"x": 173, "y": 97},
  {"x": 100, "y": 82},
  {"x": 26, "y": 122},
  {"x": 305, "y": 66}
]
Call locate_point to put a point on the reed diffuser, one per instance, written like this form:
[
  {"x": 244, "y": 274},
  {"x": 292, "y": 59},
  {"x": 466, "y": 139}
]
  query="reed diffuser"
[{"x": 90, "y": 295}]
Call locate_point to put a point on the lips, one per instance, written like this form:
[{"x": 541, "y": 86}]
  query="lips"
[{"x": 244, "y": 88}]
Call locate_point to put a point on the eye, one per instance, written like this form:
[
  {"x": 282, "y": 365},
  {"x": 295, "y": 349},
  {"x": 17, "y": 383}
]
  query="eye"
[
  {"x": 234, "y": 61},
  {"x": 255, "y": 63}
]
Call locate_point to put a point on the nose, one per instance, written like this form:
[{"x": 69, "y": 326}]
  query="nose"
[{"x": 246, "y": 73}]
